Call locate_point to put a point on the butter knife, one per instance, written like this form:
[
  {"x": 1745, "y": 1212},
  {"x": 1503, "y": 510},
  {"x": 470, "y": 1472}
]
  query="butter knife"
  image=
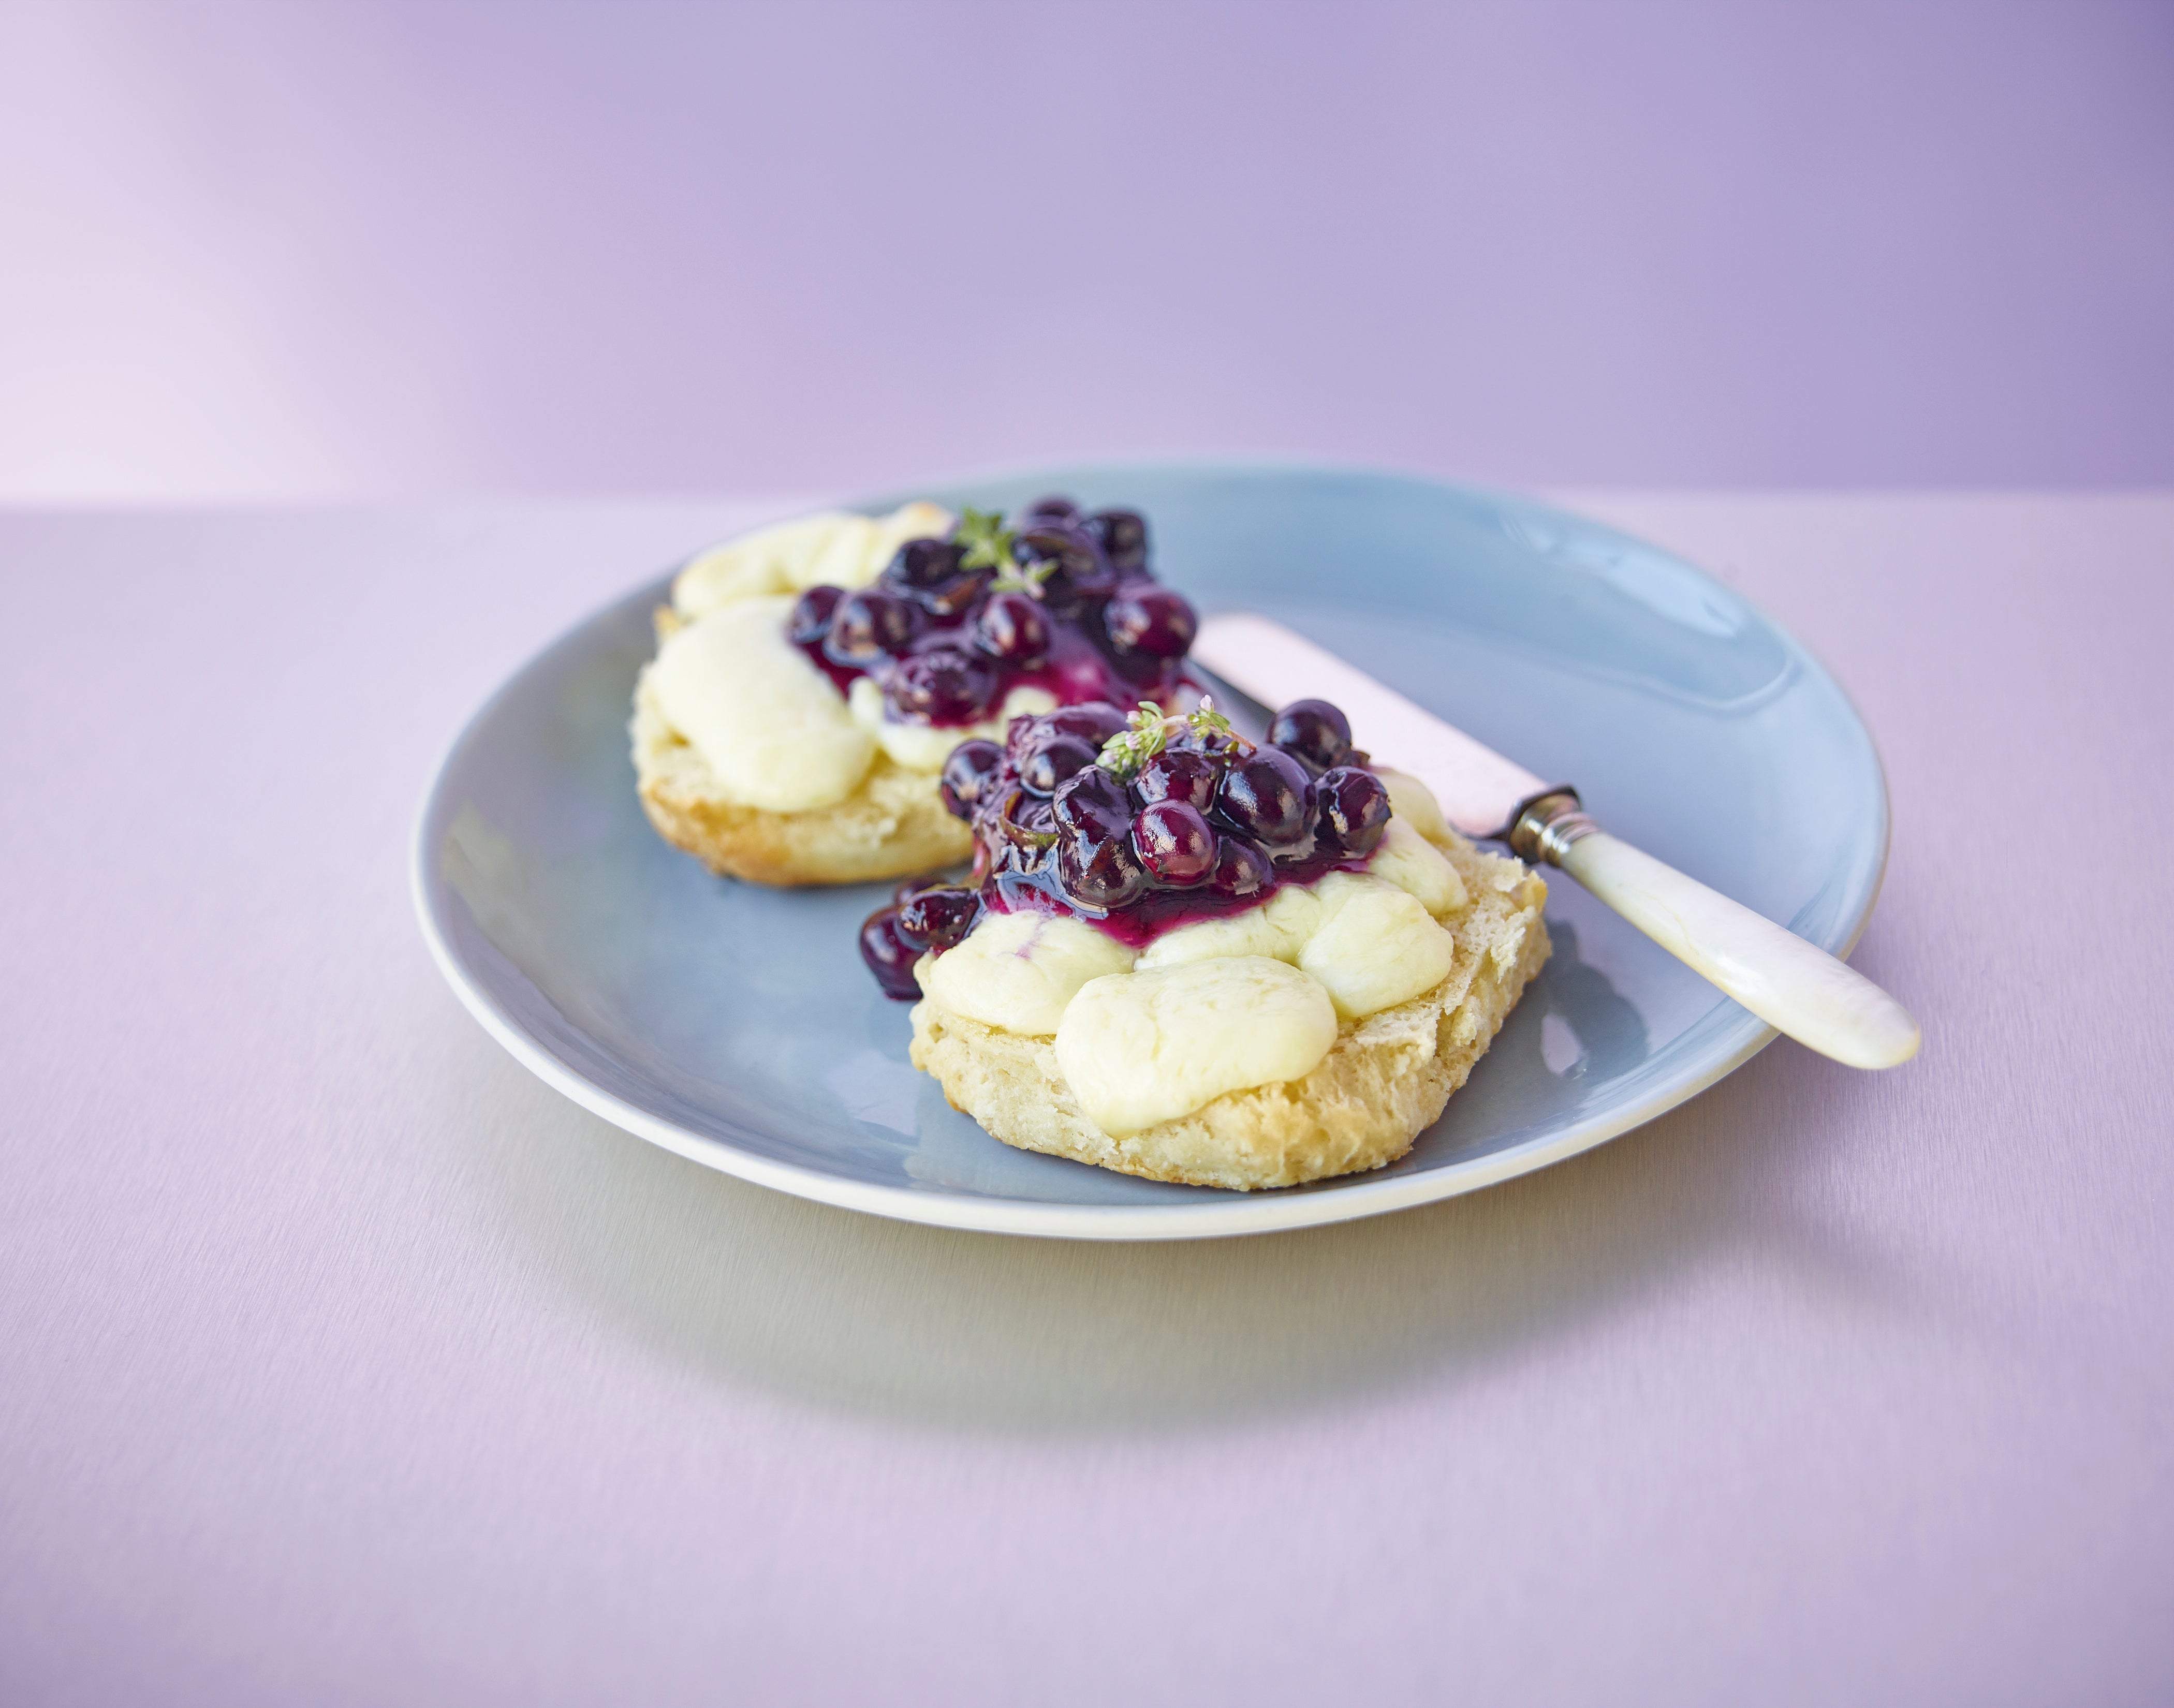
[{"x": 1794, "y": 987}]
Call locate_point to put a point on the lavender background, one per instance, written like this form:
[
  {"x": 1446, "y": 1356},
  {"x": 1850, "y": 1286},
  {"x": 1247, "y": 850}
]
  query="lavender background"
[
  {"x": 343, "y": 1362},
  {"x": 392, "y": 247}
]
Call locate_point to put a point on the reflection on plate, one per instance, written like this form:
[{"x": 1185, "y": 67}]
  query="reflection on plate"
[{"x": 735, "y": 1026}]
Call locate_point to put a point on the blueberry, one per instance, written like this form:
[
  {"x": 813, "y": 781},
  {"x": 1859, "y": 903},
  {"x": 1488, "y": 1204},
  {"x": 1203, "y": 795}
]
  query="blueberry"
[
  {"x": 1314, "y": 730},
  {"x": 868, "y": 625},
  {"x": 966, "y": 774},
  {"x": 943, "y": 686},
  {"x": 1022, "y": 820},
  {"x": 1099, "y": 872},
  {"x": 1092, "y": 720},
  {"x": 939, "y": 917},
  {"x": 1011, "y": 626},
  {"x": 1053, "y": 761},
  {"x": 1243, "y": 869},
  {"x": 811, "y": 617},
  {"x": 955, "y": 596},
  {"x": 1081, "y": 570},
  {"x": 1176, "y": 775},
  {"x": 1123, "y": 536},
  {"x": 1150, "y": 619},
  {"x": 1263, "y": 795},
  {"x": 889, "y": 956},
  {"x": 1053, "y": 508},
  {"x": 1354, "y": 808},
  {"x": 1070, "y": 547},
  {"x": 924, "y": 564},
  {"x": 1023, "y": 735},
  {"x": 1092, "y": 804},
  {"x": 930, "y": 573},
  {"x": 1173, "y": 842},
  {"x": 1031, "y": 824}
]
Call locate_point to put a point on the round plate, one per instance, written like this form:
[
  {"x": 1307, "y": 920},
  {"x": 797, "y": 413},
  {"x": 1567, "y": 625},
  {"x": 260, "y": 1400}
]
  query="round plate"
[{"x": 736, "y": 1025}]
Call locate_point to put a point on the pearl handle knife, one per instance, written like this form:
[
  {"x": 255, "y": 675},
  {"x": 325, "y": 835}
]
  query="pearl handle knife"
[{"x": 1791, "y": 986}]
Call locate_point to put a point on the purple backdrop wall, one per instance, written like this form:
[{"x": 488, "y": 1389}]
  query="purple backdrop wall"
[{"x": 372, "y": 247}]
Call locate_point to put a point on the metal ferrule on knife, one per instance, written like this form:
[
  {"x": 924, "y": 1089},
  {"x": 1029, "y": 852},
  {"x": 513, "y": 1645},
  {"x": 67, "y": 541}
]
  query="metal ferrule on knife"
[{"x": 1544, "y": 826}]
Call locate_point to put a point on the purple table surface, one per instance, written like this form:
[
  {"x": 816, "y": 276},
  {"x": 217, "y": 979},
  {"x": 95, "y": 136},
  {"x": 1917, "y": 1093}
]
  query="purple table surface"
[{"x": 346, "y": 1363}]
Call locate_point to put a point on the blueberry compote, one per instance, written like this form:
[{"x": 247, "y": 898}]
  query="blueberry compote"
[
  {"x": 1138, "y": 824},
  {"x": 1057, "y": 599}
]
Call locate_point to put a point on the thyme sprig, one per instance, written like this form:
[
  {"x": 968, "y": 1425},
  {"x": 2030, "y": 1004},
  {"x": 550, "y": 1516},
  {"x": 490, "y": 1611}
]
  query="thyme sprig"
[
  {"x": 1205, "y": 721},
  {"x": 1148, "y": 730},
  {"x": 1147, "y": 734},
  {"x": 1023, "y": 578},
  {"x": 988, "y": 544},
  {"x": 987, "y": 541}
]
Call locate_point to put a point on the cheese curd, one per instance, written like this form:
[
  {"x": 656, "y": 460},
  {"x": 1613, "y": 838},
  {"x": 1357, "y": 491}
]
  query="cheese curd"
[
  {"x": 772, "y": 730},
  {"x": 835, "y": 548},
  {"x": 1376, "y": 946},
  {"x": 1018, "y": 972},
  {"x": 1415, "y": 866},
  {"x": 1413, "y": 802},
  {"x": 1142, "y": 1047},
  {"x": 1278, "y": 930}
]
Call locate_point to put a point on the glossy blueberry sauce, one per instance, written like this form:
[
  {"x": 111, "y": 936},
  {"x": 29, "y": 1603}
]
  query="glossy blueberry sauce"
[
  {"x": 1075, "y": 670},
  {"x": 1079, "y": 615},
  {"x": 1159, "y": 910},
  {"x": 1180, "y": 820}
]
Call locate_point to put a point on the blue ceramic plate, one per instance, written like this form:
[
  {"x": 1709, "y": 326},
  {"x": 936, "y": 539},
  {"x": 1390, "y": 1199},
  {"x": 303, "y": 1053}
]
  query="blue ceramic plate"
[{"x": 736, "y": 1025}]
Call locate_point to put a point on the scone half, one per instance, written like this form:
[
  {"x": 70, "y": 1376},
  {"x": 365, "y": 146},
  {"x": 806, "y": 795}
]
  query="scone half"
[
  {"x": 1385, "y": 1078},
  {"x": 811, "y": 680}
]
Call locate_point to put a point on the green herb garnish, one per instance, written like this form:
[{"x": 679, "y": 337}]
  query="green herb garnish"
[
  {"x": 1206, "y": 720},
  {"x": 987, "y": 541},
  {"x": 988, "y": 544},
  {"x": 1129, "y": 749},
  {"x": 1150, "y": 729},
  {"x": 1023, "y": 578}
]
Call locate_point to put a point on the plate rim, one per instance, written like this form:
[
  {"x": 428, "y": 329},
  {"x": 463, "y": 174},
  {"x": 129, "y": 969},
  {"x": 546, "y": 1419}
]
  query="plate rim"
[{"x": 1228, "y": 1215}]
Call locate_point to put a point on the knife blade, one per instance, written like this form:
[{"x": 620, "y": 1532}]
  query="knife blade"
[
  {"x": 1480, "y": 790},
  {"x": 1792, "y": 986}
]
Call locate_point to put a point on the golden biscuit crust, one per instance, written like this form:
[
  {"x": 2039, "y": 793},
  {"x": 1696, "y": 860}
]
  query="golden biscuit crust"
[{"x": 1385, "y": 1080}]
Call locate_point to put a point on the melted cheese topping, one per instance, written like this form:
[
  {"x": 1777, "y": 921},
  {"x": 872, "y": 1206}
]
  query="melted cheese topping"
[
  {"x": 1018, "y": 972},
  {"x": 835, "y": 548},
  {"x": 768, "y": 724},
  {"x": 1413, "y": 802},
  {"x": 1278, "y": 931},
  {"x": 1376, "y": 946},
  {"x": 1422, "y": 871},
  {"x": 1141, "y": 1047}
]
